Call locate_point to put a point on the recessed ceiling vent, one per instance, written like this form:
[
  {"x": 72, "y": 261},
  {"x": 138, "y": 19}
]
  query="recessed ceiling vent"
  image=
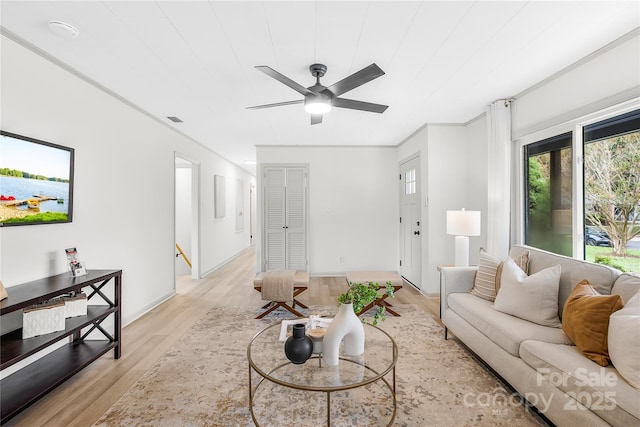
[
  {"x": 63, "y": 29},
  {"x": 174, "y": 119}
]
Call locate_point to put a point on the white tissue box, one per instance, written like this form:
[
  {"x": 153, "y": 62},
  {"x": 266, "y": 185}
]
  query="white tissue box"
[
  {"x": 43, "y": 318},
  {"x": 75, "y": 305}
]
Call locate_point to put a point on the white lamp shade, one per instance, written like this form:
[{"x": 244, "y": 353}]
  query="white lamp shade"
[{"x": 463, "y": 223}]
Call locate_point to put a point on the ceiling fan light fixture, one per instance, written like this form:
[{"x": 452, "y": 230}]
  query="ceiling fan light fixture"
[
  {"x": 317, "y": 105},
  {"x": 319, "y": 99}
]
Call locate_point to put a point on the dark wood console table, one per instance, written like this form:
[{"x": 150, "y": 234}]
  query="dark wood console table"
[{"x": 27, "y": 385}]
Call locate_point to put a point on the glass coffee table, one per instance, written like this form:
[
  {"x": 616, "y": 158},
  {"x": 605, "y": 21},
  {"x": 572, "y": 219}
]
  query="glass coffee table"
[{"x": 270, "y": 371}]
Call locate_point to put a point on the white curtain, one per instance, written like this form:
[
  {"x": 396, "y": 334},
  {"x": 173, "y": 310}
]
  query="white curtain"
[{"x": 499, "y": 177}]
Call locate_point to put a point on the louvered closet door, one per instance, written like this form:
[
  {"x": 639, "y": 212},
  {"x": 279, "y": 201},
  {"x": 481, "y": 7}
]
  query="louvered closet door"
[
  {"x": 274, "y": 219},
  {"x": 295, "y": 230},
  {"x": 285, "y": 218}
]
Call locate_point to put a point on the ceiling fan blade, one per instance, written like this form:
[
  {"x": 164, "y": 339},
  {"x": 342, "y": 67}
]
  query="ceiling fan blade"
[
  {"x": 316, "y": 119},
  {"x": 284, "y": 79},
  {"x": 277, "y": 104},
  {"x": 356, "y": 79},
  {"x": 359, "y": 105}
]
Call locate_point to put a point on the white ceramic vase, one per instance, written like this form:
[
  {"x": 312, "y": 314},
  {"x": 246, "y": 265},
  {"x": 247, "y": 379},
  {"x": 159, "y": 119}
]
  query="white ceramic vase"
[{"x": 346, "y": 325}]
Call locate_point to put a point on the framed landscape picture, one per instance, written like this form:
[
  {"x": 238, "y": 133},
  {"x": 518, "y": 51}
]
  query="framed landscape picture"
[{"x": 36, "y": 181}]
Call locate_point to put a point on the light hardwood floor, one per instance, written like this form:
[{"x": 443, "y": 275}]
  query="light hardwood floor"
[{"x": 84, "y": 398}]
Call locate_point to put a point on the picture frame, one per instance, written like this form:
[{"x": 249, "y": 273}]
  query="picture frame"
[
  {"x": 239, "y": 205},
  {"x": 219, "y": 195},
  {"x": 36, "y": 178},
  {"x": 76, "y": 267}
]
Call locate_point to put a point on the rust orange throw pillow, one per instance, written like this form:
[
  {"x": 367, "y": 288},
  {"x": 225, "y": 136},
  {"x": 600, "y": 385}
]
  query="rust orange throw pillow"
[{"x": 585, "y": 320}]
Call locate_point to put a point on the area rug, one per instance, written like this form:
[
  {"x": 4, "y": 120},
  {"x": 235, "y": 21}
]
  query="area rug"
[{"x": 203, "y": 381}]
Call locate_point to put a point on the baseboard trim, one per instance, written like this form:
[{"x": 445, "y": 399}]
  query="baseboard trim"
[
  {"x": 225, "y": 262},
  {"x": 126, "y": 321}
]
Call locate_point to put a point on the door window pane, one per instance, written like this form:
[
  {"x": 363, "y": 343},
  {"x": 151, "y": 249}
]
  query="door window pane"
[
  {"x": 410, "y": 182},
  {"x": 549, "y": 198}
]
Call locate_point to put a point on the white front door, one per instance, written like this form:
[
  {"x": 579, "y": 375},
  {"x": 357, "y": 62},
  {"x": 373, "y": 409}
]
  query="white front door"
[{"x": 410, "y": 225}]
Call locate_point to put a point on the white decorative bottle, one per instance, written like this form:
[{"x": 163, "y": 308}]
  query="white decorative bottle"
[{"x": 346, "y": 325}]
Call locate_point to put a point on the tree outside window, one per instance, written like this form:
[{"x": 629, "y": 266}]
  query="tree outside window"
[
  {"x": 612, "y": 197},
  {"x": 611, "y": 194}
]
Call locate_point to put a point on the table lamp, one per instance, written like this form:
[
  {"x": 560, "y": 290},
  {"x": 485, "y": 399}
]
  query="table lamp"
[{"x": 463, "y": 224}]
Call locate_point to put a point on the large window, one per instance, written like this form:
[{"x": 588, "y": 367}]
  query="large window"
[
  {"x": 549, "y": 195},
  {"x": 612, "y": 191},
  {"x": 610, "y": 200}
]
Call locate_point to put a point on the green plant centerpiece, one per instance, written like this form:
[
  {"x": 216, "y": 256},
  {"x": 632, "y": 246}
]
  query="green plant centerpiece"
[{"x": 363, "y": 294}]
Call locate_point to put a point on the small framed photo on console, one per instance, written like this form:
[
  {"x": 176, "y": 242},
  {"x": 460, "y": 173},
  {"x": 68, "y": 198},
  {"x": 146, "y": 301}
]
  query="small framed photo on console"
[{"x": 77, "y": 268}]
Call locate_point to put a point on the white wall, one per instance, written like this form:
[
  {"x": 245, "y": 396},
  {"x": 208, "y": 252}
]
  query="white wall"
[
  {"x": 124, "y": 184},
  {"x": 477, "y": 175},
  {"x": 353, "y": 206},
  {"x": 219, "y": 240},
  {"x": 446, "y": 184},
  {"x": 605, "y": 78}
]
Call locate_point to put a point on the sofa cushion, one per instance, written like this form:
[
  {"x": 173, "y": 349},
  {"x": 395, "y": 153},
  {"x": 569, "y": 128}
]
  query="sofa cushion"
[
  {"x": 586, "y": 320},
  {"x": 533, "y": 298},
  {"x": 503, "y": 329},
  {"x": 487, "y": 281},
  {"x": 626, "y": 285},
  {"x": 624, "y": 340},
  {"x": 600, "y": 389},
  {"x": 573, "y": 271}
]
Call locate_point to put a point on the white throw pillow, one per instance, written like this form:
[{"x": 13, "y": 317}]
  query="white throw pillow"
[
  {"x": 624, "y": 341},
  {"x": 533, "y": 298},
  {"x": 487, "y": 280}
]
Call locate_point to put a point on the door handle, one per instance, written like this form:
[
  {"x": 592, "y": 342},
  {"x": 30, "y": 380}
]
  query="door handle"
[{"x": 417, "y": 233}]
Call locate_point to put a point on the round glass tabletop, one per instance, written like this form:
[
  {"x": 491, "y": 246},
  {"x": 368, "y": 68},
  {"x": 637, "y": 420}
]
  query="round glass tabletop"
[{"x": 267, "y": 359}]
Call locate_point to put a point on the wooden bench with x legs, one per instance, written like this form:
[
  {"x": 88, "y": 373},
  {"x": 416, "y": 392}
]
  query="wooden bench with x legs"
[
  {"x": 381, "y": 278},
  {"x": 300, "y": 284}
]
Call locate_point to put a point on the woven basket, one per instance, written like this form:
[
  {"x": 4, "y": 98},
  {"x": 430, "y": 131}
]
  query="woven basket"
[
  {"x": 43, "y": 318},
  {"x": 75, "y": 305}
]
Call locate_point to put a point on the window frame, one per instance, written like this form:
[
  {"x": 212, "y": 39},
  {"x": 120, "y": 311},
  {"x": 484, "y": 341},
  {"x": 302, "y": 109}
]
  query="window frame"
[
  {"x": 553, "y": 144},
  {"x": 519, "y": 189}
]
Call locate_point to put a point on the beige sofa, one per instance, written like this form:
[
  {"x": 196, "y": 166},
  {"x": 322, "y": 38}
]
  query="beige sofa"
[{"x": 540, "y": 362}]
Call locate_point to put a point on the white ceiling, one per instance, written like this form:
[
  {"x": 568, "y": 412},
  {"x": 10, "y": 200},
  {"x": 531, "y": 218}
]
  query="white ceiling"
[{"x": 444, "y": 60}]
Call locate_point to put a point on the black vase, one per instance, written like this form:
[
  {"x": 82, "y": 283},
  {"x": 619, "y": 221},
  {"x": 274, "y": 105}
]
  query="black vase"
[{"x": 299, "y": 346}]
